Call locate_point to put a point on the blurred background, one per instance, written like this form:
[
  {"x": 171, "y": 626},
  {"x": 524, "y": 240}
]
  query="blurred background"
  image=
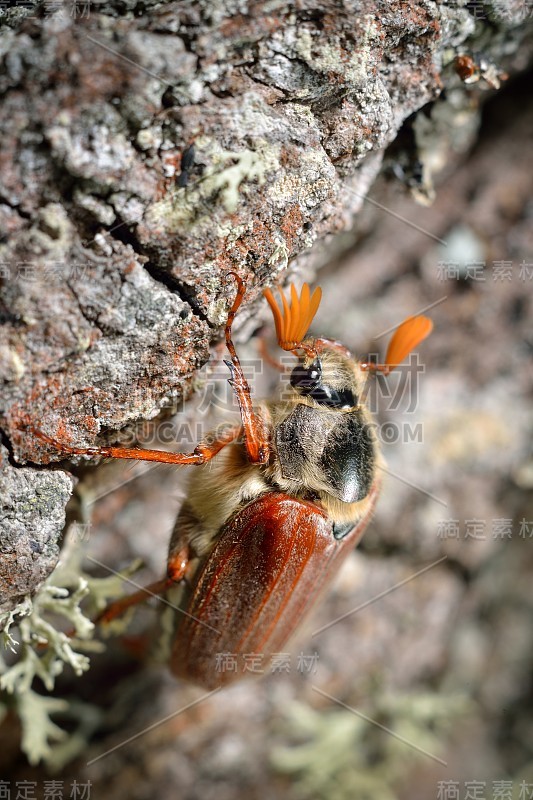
[{"x": 424, "y": 688}]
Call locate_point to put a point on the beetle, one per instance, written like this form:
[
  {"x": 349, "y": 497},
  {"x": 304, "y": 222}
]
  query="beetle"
[{"x": 278, "y": 500}]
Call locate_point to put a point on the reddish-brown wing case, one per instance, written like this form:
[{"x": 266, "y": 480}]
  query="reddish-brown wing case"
[{"x": 266, "y": 570}]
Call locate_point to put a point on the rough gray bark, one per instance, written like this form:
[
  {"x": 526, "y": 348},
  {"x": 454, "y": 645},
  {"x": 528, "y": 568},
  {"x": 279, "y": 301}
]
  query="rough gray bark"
[{"x": 33, "y": 511}]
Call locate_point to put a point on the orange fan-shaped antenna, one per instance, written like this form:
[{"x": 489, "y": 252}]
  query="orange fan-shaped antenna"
[
  {"x": 293, "y": 323},
  {"x": 406, "y": 337}
]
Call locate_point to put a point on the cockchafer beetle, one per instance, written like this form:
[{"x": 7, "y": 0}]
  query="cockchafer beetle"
[{"x": 279, "y": 500}]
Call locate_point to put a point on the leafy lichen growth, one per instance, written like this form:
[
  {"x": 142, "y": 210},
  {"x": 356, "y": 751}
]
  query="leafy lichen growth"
[
  {"x": 42, "y": 650},
  {"x": 226, "y": 170},
  {"x": 339, "y": 755},
  {"x": 248, "y": 165}
]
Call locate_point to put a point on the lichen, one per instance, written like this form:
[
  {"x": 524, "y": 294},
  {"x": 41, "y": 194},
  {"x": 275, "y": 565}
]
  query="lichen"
[
  {"x": 280, "y": 254},
  {"x": 41, "y": 650},
  {"x": 340, "y": 755},
  {"x": 192, "y": 206},
  {"x": 334, "y": 58},
  {"x": 248, "y": 165}
]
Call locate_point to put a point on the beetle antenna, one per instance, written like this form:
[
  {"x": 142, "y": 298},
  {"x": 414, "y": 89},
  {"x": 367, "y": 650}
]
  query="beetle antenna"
[
  {"x": 406, "y": 337},
  {"x": 294, "y": 321}
]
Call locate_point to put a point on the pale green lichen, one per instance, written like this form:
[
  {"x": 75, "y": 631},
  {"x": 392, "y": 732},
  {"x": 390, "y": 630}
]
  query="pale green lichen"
[
  {"x": 38, "y": 729},
  {"x": 332, "y": 58},
  {"x": 41, "y": 650},
  {"x": 248, "y": 165},
  {"x": 339, "y": 755},
  {"x": 280, "y": 255},
  {"x": 226, "y": 171}
]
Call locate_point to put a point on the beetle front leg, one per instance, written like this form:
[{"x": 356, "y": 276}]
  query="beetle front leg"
[
  {"x": 255, "y": 436},
  {"x": 201, "y": 454}
]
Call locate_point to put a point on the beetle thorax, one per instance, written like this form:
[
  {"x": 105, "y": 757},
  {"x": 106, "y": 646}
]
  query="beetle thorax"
[{"x": 324, "y": 446}]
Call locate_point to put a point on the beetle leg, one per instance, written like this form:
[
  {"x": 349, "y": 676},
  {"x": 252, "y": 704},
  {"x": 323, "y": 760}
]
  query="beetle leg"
[
  {"x": 176, "y": 569},
  {"x": 118, "y": 607},
  {"x": 255, "y": 437},
  {"x": 204, "y": 452},
  {"x": 370, "y": 366}
]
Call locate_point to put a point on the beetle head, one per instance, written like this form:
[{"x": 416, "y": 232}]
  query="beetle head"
[
  {"x": 327, "y": 372},
  {"x": 328, "y": 376}
]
